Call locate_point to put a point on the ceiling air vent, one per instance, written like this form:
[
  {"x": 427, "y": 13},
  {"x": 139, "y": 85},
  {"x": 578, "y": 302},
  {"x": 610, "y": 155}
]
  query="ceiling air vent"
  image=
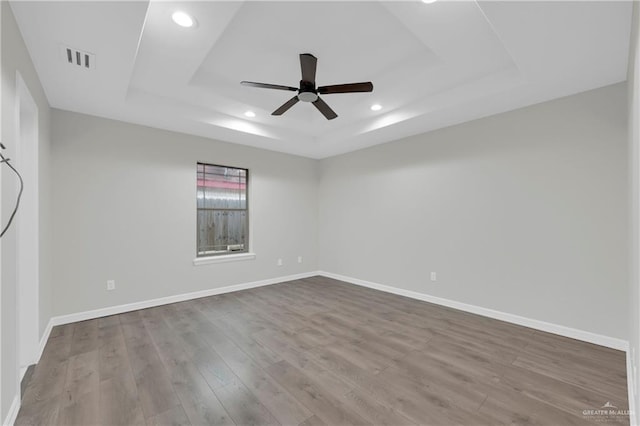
[{"x": 78, "y": 58}]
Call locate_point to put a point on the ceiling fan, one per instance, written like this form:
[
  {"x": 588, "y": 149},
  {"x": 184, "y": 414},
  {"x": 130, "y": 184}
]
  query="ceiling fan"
[{"x": 307, "y": 92}]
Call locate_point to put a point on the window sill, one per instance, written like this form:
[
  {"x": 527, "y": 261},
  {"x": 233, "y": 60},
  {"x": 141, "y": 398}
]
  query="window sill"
[{"x": 223, "y": 258}]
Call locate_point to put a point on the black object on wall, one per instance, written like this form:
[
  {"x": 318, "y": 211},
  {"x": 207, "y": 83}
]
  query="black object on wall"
[{"x": 7, "y": 161}]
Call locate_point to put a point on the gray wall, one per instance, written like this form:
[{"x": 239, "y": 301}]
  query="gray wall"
[
  {"x": 124, "y": 209},
  {"x": 634, "y": 206},
  {"x": 16, "y": 58},
  {"x": 523, "y": 212}
]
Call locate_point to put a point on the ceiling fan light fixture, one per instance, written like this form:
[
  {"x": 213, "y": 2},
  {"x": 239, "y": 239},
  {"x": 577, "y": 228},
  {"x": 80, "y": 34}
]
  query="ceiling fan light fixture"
[
  {"x": 250, "y": 114},
  {"x": 308, "y": 96},
  {"x": 183, "y": 19},
  {"x": 376, "y": 107}
]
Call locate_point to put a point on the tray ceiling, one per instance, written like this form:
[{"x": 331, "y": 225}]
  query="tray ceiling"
[{"x": 432, "y": 65}]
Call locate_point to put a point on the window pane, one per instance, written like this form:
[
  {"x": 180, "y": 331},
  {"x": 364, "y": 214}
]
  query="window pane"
[
  {"x": 222, "y": 187},
  {"x": 221, "y": 231}
]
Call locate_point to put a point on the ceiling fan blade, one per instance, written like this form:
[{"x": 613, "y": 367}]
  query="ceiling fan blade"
[
  {"x": 268, "y": 86},
  {"x": 325, "y": 109},
  {"x": 308, "y": 64},
  {"x": 346, "y": 88},
  {"x": 291, "y": 102}
]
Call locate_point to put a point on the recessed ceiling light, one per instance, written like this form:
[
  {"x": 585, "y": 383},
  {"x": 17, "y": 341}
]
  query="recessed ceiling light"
[
  {"x": 376, "y": 107},
  {"x": 429, "y": 1},
  {"x": 183, "y": 19},
  {"x": 250, "y": 114}
]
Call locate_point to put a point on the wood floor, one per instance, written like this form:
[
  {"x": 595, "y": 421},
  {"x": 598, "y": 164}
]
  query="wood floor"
[{"x": 317, "y": 351}]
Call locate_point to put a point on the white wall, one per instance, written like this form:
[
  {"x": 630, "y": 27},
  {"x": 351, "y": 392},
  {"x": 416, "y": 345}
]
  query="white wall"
[
  {"x": 2, "y": 79},
  {"x": 634, "y": 209},
  {"x": 522, "y": 212},
  {"x": 16, "y": 58},
  {"x": 124, "y": 209}
]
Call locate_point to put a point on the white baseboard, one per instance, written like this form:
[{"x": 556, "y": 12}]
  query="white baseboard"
[
  {"x": 44, "y": 339},
  {"x": 631, "y": 386},
  {"x": 13, "y": 412},
  {"x": 119, "y": 309},
  {"x": 598, "y": 339}
]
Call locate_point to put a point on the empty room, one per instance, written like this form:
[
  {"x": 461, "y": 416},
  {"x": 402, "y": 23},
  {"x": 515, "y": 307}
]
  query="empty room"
[{"x": 420, "y": 212}]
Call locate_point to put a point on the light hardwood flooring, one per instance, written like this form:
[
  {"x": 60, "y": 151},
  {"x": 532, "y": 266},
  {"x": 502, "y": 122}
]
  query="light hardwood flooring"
[{"x": 312, "y": 352}]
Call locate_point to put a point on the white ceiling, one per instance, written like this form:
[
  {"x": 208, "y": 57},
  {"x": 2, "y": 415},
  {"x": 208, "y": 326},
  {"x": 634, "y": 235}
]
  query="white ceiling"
[{"x": 432, "y": 65}]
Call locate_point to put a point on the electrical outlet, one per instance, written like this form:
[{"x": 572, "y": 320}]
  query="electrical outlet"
[
  {"x": 434, "y": 277},
  {"x": 279, "y": 262},
  {"x": 111, "y": 284},
  {"x": 299, "y": 259}
]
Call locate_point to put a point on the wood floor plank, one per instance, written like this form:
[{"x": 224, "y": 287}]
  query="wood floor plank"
[
  {"x": 374, "y": 412},
  {"x": 321, "y": 401},
  {"x": 173, "y": 417},
  {"x": 82, "y": 377},
  {"x": 119, "y": 404},
  {"x": 35, "y": 412},
  {"x": 284, "y": 407},
  {"x": 260, "y": 354},
  {"x": 82, "y": 411},
  {"x": 207, "y": 412},
  {"x": 317, "y": 351},
  {"x": 495, "y": 349},
  {"x": 313, "y": 421},
  {"x": 155, "y": 390},
  {"x": 306, "y": 362},
  {"x": 62, "y": 330},
  {"x": 454, "y": 393},
  {"x": 464, "y": 357},
  {"x": 47, "y": 382},
  {"x": 515, "y": 408},
  {"x": 58, "y": 347},
  {"x": 561, "y": 395},
  {"x": 573, "y": 373},
  {"x": 113, "y": 358},
  {"x": 350, "y": 350},
  {"x": 422, "y": 367},
  {"x": 85, "y": 337},
  {"x": 605, "y": 360},
  {"x": 214, "y": 370},
  {"x": 188, "y": 383},
  {"x": 243, "y": 407},
  {"x": 110, "y": 321}
]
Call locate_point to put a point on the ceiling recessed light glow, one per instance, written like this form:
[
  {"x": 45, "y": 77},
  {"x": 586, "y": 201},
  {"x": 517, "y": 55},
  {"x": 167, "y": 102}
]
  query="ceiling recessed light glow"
[
  {"x": 429, "y": 1},
  {"x": 182, "y": 19},
  {"x": 250, "y": 114},
  {"x": 376, "y": 107}
]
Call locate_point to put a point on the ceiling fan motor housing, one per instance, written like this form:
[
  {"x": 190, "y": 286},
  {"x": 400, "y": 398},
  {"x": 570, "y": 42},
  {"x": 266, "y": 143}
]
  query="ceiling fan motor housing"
[{"x": 307, "y": 92}]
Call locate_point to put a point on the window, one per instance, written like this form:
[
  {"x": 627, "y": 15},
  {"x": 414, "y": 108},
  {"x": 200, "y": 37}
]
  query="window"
[{"x": 223, "y": 217}]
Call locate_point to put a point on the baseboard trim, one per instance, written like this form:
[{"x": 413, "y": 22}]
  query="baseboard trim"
[
  {"x": 631, "y": 385},
  {"x": 44, "y": 339},
  {"x": 598, "y": 339},
  {"x": 13, "y": 412},
  {"x": 119, "y": 309}
]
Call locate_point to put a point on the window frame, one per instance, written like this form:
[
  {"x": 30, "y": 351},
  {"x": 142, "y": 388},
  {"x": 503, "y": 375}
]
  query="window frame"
[{"x": 224, "y": 256}]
